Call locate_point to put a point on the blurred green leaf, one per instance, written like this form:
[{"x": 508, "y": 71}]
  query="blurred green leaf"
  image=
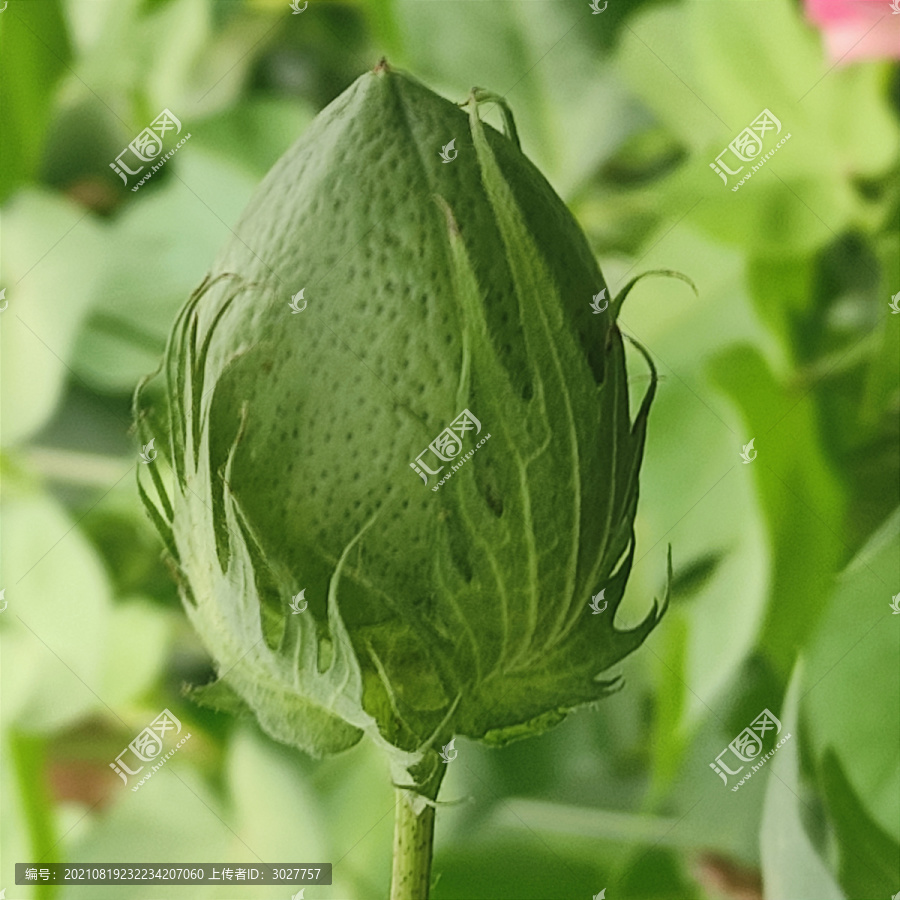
[
  {"x": 82, "y": 141},
  {"x": 802, "y": 498},
  {"x": 385, "y": 26},
  {"x": 681, "y": 61},
  {"x": 155, "y": 65},
  {"x": 671, "y": 706},
  {"x": 853, "y": 663},
  {"x": 134, "y": 652},
  {"x": 520, "y": 815},
  {"x": 253, "y": 133},
  {"x": 499, "y": 867},
  {"x": 58, "y": 620},
  {"x": 869, "y": 857},
  {"x": 781, "y": 287},
  {"x": 157, "y": 252},
  {"x": 273, "y": 803},
  {"x": 173, "y": 817},
  {"x": 167, "y": 55},
  {"x": 17, "y": 834},
  {"x": 695, "y": 493},
  {"x": 50, "y": 256},
  {"x": 119, "y": 528},
  {"x": 34, "y": 52},
  {"x": 694, "y": 575},
  {"x": 541, "y": 56},
  {"x": 827, "y": 313},
  {"x": 357, "y": 791},
  {"x": 792, "y": 870}
]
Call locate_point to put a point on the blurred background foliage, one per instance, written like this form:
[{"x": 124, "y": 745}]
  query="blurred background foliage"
[{"x": 785, "y": 568}]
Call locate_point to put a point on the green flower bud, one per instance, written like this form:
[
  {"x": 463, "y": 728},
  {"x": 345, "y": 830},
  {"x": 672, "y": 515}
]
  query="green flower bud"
[{"x": 447, "y": 323}]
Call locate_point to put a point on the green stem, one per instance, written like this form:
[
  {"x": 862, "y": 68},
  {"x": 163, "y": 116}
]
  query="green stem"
[
  {"x": 28, "y": 759},
  {"x": 413, "y": 848},
  {"x": 414, "y": 834}
]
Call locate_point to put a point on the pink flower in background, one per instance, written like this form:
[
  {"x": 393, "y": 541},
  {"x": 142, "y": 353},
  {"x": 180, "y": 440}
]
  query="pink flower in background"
[{"x": 858, "y": 29}]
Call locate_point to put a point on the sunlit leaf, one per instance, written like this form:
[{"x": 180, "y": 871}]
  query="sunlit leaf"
[
  {"x": 50, "y": 255},
  {"x": 58, "y": 618}
]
